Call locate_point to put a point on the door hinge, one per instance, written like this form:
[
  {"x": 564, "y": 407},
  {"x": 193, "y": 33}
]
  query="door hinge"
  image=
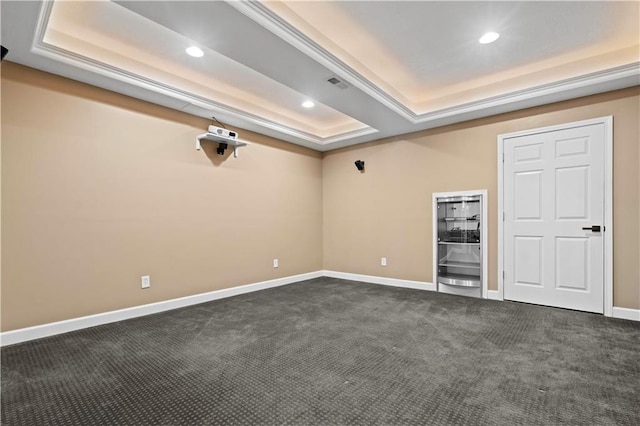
[
  {"x": 504, "y": 216},
  {"x": 503, "y": 157},
  {"x": 503, "y": 274}
]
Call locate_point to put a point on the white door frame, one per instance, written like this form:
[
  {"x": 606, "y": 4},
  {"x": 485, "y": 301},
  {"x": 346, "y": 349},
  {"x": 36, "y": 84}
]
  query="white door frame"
[
  {"x": 608, "y": 202},
  {"x": 484, "y": 223}
]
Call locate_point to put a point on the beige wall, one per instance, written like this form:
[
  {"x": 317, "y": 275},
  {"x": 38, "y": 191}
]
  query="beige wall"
[
  {"x": 99, "y": 189},
  {"x": 386, "y": 211}
]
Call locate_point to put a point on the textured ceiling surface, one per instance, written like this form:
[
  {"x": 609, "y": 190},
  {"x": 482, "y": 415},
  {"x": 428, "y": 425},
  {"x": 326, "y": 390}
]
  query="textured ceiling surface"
[{"x": 404, "y": 66}]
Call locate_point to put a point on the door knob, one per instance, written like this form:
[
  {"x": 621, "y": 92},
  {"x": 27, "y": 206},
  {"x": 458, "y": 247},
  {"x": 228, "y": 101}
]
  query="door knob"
[{"x": 594, "y": 228}]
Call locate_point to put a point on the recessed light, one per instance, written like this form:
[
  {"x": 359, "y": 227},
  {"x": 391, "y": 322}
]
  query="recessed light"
[
  {"x": 308, "y": 104},
  {"x": 489, "y": 37},
  {"x": 195, "y": 51}
]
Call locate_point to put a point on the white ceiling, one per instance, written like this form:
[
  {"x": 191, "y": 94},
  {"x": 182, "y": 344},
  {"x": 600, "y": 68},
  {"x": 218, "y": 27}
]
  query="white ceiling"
[{"x": 408, "y": 65}]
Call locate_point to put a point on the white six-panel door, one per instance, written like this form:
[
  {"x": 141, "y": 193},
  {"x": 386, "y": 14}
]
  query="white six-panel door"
[{"x": 553, "y": 195}]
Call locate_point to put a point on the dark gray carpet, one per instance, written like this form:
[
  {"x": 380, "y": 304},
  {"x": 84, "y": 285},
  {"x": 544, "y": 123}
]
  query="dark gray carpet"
[{"x": 333, "y": 352}]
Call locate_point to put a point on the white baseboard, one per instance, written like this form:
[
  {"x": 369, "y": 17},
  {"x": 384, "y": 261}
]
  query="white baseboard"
[
  {"x": 625, "y": 313},
  {"x": 494, "y": 295},
  {"x": 51, "y": 329},
  {"x": 394, "y": 282}
]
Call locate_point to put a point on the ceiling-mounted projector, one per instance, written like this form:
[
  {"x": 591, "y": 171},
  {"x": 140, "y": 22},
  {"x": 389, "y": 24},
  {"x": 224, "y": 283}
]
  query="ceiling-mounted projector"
[
  {"x": 223, "y": 137},
  {"x": 222, "y": 132}
]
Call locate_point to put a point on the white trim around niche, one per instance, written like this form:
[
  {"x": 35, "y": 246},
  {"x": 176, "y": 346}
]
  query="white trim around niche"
[{"x": 485, "y": 229}]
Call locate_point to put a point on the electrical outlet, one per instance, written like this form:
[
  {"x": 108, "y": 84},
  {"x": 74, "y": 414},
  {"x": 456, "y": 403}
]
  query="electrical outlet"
[
  {"x": 383, "y": 261},
  {"x": 145, "y": 281},
  {"x": 275, "y": 263}
]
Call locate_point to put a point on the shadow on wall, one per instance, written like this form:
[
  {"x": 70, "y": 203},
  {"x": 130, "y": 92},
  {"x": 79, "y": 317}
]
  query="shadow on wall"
[{"x": 210, "y": 148}]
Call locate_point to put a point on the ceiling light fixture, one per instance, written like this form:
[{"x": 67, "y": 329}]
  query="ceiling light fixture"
[
  {"x": 308, "y": 104},
  {"x": 195, "y": 51},
  {"x": 489, "y": 37}
]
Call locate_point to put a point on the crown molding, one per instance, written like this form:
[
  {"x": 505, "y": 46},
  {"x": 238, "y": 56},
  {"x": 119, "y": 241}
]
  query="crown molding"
[
  {"x": 555, "y": 90},
  {"x": 263, "y": 16},
  {"x": 582, "y": 85},
  {"x": 40, "y": 47},
  {"x": 101, "y": 74}
]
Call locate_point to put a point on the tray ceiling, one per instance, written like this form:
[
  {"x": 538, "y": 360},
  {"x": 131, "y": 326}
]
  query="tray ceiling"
[{"x": 404, "y": 66}]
